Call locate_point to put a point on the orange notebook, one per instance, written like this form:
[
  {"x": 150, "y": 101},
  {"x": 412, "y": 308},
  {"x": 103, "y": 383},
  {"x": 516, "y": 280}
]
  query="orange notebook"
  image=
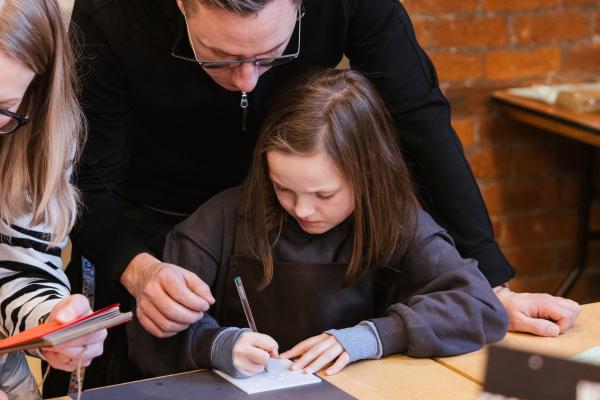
[{"x": 53, "y": 333}]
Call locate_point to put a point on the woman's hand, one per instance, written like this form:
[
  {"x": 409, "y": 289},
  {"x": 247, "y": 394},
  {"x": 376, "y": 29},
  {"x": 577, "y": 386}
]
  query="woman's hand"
[
  {"x": 78, "y": 352},
  {"x": 252, "y": 351},
  {"x": 317, "y": 352}
]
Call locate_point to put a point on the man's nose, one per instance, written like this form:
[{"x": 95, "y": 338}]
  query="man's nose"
[{"x": 245, "y": 77}]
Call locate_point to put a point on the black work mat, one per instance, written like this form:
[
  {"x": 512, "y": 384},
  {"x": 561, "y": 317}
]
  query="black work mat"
[{"x": 206, "y": 385}]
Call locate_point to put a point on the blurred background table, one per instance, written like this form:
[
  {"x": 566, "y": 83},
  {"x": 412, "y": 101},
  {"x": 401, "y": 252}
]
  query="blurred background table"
[
  {"x": 582, "y": 336},
  {"x": 584, "y": 128}
]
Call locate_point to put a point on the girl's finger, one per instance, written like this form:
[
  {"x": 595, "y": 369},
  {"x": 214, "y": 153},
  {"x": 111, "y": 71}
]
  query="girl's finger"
[
  {"x": 250, "y": 368},
  {"x": 339, "y": 364},
  {"x": 264, "y": 342},
  {"x": 324, "y": 358},
  {"x": 311, "y": 354},
  {"x": 257, "y": 356},
  {"x": 301, "y": 347}
]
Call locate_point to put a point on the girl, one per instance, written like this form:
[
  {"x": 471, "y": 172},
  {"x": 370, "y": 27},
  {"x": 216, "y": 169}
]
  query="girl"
[
  {"x": 40, "y": 135},
  {"x": 339, "y": 262}
]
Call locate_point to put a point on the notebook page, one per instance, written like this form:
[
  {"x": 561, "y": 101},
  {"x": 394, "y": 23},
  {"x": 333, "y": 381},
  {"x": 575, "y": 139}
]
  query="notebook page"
[{"x": 278, "y": 377}]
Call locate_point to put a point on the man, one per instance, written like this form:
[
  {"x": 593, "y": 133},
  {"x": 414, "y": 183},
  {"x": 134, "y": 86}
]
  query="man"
[{"x": 175, "y": 90}]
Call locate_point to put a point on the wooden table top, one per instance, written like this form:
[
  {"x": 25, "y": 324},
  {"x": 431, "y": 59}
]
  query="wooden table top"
[
  {"x": 583, "y": 127},
  {"x": 389, "y": 377},
  {"x": 583, "y": 335},
  {"x": 403, "y": 377},
  {"x": 458, "y": 377}
]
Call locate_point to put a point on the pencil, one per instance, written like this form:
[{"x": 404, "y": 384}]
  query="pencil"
[{"x": 246, "y": 306}]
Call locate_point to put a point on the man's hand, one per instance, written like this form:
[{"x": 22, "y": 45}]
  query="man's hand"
[
  {"x": 538, "y": 313},
  {"x": 169, "y": 298},
  {"x": 78, "y": 352}
]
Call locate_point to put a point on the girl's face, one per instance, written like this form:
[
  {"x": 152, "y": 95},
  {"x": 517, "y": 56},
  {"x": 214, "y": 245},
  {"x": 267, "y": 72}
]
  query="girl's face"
[
  {"x": 15, "y": 78},
  {"x": 311, "y": 189}
]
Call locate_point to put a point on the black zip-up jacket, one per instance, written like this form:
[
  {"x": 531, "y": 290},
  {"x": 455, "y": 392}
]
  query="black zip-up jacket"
[{"x": 163, "y": 134}]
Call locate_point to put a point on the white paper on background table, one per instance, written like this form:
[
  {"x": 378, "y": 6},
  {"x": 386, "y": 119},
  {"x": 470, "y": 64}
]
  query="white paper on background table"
[
  {"x": 549, "y": 93},
  {"x": 590, "y": 356},
  {"x": 278, "y": 377}
]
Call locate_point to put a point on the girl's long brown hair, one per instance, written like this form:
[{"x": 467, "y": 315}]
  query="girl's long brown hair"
[
  {"x": 36, "y": 161},
  {"x": 339, "y": 112}
]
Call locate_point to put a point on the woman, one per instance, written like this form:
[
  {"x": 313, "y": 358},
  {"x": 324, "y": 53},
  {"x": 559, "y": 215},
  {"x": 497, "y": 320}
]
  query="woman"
[{"x": 40, "y": 135}]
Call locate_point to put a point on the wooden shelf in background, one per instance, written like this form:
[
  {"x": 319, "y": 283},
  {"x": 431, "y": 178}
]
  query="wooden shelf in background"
[{"x": 582, "y": 127}]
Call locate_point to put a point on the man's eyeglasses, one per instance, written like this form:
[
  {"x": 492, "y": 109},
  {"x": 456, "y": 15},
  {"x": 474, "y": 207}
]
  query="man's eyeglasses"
[
  {"x": 15, "y": 121},
  {"x": 258, "y": 62}
]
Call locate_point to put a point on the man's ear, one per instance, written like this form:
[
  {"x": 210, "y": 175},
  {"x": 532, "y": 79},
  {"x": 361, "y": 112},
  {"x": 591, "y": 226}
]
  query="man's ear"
[{"x": 180, "y": 6}]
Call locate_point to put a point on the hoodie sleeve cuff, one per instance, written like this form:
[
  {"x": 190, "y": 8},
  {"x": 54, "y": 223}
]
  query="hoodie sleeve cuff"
[
  {"x": 361, "y": 342},
  {"x": 221, "y": 353}
]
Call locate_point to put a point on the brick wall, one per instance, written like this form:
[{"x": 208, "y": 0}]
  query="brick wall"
[{"x": 530, "y": 179}]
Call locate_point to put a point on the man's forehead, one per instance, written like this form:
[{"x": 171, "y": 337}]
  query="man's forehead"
[{"x": 235, "y": 34}]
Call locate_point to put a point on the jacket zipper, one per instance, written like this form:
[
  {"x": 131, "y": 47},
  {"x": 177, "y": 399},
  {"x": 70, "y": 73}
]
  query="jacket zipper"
[{"x": 244, "y": 105}]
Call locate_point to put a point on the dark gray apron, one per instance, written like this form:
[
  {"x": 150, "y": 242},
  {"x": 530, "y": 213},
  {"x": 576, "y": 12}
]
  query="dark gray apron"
[{"x": 303, "y": 299}]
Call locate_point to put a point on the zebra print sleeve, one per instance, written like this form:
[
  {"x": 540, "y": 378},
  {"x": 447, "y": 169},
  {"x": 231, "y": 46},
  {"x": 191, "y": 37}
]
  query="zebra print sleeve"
[{"x": 32, "y": 280}]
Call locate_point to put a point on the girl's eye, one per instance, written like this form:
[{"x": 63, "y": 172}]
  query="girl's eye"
[
  {"x": 278, "y": 188},
  {"x": 324, "y": 197}
]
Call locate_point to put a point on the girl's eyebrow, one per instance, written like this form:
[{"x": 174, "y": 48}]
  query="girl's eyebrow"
[{"x": 326, "y": 190}]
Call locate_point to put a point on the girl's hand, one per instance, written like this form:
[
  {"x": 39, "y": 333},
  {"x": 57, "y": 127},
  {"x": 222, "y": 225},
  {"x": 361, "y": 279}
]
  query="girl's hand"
[
  {"x": 317, "y": 352},
  {"x": 252, "y": 352},
  {"x": 81, "y": 351}
]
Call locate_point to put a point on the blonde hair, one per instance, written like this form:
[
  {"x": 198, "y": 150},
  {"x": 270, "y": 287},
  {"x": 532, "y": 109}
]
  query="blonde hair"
[{"x": 36, "y": 161}]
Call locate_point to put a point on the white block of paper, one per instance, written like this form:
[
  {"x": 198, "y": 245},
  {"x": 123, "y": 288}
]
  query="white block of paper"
[
  {"x": 590, "y": 356},
  {"x": 279, "y": 377}
]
